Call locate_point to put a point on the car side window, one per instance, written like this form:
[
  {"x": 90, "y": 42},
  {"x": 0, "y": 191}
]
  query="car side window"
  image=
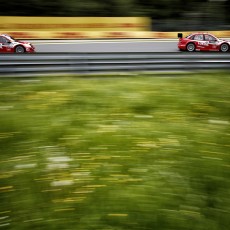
[
  {"x": 209, "y": 38},
  {"x": 198, "y": 37},
  {"x": 3, "y": 40}
]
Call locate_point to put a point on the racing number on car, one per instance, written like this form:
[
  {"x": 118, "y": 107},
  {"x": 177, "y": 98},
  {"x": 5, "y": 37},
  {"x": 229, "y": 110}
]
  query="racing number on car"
[{"x": 203, "y": 43}]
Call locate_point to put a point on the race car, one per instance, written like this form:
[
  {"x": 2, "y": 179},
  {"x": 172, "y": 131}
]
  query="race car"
[
  {"x": 202, "y": 42},
  {"x": 11, "y": 45}
]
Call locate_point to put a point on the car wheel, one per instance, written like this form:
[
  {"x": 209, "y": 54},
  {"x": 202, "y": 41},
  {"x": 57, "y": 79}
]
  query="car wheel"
[
  {"x": 19, "y": 49},
  {"x": 224, "y": 47},
  {"x": 190, "y": 47}
]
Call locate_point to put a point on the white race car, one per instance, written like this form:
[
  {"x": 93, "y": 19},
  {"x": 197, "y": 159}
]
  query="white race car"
[{"x": 11, "y": 45}]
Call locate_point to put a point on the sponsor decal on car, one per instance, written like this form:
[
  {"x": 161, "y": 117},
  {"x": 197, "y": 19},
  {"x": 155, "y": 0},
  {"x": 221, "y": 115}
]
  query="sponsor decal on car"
[{"x": 203, "y": 43}]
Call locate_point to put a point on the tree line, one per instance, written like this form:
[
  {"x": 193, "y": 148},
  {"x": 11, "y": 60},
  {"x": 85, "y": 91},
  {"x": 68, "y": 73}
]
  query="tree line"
[{"x": 156, "y": 9}]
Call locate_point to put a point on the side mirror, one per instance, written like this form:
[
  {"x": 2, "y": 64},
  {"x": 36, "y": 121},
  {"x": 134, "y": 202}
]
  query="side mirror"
[{"x": 180, "y": 35}]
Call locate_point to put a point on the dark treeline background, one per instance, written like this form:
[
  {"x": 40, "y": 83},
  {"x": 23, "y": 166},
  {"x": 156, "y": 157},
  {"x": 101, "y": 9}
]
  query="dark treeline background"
[{"x": 167, "y": 15}]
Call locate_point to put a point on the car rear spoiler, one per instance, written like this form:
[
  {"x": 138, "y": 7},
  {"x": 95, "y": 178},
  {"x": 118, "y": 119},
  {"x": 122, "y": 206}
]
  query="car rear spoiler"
[{"x": 180, "y": 35}]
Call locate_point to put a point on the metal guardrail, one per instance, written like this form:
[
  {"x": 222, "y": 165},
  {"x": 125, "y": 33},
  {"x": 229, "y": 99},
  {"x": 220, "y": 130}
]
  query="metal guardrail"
[{"x": 86, "y": 63}]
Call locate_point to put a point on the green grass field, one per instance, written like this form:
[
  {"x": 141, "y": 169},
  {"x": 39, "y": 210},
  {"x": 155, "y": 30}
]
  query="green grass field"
[{"x": 115, "y": 153}]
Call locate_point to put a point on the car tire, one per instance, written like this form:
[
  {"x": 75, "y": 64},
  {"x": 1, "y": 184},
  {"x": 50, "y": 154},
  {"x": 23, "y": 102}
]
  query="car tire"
[
  {"x": 19, "y": 49},
  {"x": 224, "y": 47},
  {"x": 191, "y": 47}
]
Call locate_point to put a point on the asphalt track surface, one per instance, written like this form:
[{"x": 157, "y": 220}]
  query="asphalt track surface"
[{"x": 104, "y": 46}]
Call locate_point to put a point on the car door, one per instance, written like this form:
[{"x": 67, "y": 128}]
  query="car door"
[
  {"x": 2, "y": 48},
  {"x": 5, "y": 45},
  {"x": 212, "y": 42},
  {"x": 201, "y": 44}
]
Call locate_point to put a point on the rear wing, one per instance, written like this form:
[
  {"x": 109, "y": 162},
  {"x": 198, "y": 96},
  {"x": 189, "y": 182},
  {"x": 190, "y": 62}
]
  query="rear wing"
[{"x": 180, "y": 35}]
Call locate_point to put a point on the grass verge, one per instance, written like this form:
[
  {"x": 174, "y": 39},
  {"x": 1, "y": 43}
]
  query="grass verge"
[{"x": 115, "y": 153}]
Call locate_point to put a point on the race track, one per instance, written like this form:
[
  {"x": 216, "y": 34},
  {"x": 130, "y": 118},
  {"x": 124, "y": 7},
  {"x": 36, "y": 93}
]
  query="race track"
[{"x": 118, "y": 45}]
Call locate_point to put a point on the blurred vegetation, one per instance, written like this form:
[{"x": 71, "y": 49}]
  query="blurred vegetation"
[
  {"x": 117, "y": 153},
  {"x": 192, "y": 14}
]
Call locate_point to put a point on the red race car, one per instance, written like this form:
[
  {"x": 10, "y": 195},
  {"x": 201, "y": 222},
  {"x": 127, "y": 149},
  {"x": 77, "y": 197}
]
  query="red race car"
[
  {"x": 10, "y": 45},
  {"x": 202, "y": 42}
]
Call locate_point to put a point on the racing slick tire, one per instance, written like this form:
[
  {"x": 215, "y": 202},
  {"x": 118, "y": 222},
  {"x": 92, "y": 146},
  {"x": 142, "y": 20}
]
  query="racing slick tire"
[
  {"x": 19, "y": 49},
  {"x": 224, "y": 47},
  {"x": 191, "y": 47}
]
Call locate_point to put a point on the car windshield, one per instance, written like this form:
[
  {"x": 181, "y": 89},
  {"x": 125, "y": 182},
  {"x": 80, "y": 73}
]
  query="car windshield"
[{"x": 11, "y": 38}]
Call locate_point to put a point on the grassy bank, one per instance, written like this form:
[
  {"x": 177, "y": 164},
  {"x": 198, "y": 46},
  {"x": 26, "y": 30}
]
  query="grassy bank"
[{"x": 138, "y": 153}]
